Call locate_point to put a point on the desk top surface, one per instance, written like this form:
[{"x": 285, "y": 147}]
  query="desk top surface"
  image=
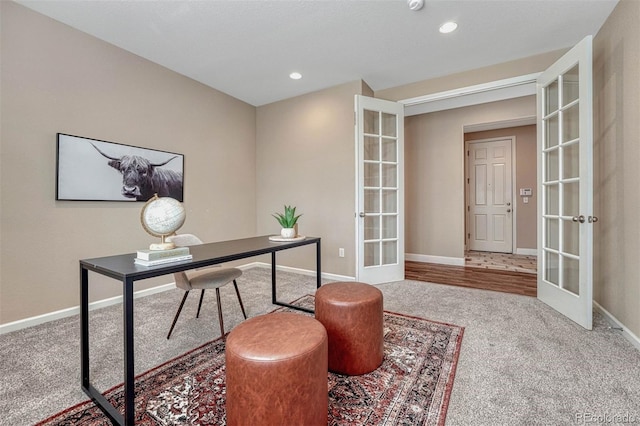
[{"x": 123, "y": 267}]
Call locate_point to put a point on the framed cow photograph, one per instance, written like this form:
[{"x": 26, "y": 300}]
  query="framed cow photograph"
[{"x": 94, "y": 170}]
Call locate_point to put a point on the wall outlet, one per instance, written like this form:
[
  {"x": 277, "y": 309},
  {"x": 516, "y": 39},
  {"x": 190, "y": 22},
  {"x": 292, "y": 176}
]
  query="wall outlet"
[{"x": 341, "y": 252}]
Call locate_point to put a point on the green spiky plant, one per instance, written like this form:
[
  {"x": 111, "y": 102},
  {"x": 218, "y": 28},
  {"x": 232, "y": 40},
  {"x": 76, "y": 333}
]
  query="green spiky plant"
[{"x": 289, "y": 218}]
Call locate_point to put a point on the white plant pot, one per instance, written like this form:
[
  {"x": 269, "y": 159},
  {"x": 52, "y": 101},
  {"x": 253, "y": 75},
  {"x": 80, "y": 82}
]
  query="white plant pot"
[{"x": 288, "y": 232}]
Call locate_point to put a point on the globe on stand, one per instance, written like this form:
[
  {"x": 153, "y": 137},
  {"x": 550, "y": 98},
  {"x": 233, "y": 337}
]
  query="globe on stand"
[{"x": 161, "y": 217}]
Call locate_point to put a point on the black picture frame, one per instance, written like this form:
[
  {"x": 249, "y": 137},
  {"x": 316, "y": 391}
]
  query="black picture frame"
[{"x": 95, "y": 170}]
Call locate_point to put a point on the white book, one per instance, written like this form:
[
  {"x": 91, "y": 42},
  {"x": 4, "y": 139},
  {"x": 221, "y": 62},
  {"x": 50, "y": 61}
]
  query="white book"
[
  {"x": 162, "y": 261},
  {"x": 162, "y": 254}
]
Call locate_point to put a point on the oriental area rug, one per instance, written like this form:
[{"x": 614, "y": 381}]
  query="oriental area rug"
[{"x": 411, "y": 387}]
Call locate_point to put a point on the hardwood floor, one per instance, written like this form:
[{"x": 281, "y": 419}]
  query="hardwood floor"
[{"x": 464, "y": 276}]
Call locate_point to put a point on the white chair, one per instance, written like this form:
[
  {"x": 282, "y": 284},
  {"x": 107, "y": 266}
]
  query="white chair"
[{"x": 207, "y": 278}]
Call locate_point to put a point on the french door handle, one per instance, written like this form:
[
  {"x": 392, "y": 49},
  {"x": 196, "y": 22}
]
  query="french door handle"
[{"x": 580, "y": 219}]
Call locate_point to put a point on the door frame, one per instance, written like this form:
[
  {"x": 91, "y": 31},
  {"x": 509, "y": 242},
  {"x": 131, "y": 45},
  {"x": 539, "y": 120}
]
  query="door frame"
[{"x": 467, "y": 189}]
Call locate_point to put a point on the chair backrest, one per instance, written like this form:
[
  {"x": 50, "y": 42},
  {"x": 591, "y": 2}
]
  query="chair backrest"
[{"x": 183, "y": 240}]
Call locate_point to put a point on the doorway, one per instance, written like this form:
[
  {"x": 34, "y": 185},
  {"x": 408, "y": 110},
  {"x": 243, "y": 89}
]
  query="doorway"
[
  {"x": 489, "y": 188},
  {"x": 523, "y": 194}
]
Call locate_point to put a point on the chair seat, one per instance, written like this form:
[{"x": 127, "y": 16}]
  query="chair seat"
[
  {"x": 203, "y": 279},
  {"x": 206, "y": 279}
]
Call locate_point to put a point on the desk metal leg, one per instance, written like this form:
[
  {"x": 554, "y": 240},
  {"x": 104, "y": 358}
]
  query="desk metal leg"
[
  {"x": 129, "y": 366},
  {"x": 97, "y": 397},
  {"x": 318, "y": 265},
  {"x": 273, "y": 278},
  {"x": 84, "y": 327}
]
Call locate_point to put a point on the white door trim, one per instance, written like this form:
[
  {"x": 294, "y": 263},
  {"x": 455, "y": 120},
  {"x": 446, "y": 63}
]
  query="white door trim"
[
  {"x": 514, "y": 220},
  {"x": 492, "y": 91}
]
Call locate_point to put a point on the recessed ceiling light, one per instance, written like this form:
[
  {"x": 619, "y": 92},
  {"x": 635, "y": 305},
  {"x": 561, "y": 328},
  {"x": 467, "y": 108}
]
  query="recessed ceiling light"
[
  {"x": 295, "y": 76},
  {"x": 415, "y": 5},
  {"x": 448, "y": 27}
]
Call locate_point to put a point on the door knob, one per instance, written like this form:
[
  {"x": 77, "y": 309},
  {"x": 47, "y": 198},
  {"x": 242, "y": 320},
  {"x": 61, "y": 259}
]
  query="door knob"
[
  {"x": 508, "y": 204},
  {"x": 508, "y": 210},
  {"x": 362, "y": 214},
  {"x": 593, "y": 219},
  {"x": 580, "y": 219}
]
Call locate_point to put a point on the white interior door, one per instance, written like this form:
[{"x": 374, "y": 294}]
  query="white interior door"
[
  {"x": 379, "y": 190},
  {"x": 565, "y": 205},
  {"x": 490, "y": 213}
]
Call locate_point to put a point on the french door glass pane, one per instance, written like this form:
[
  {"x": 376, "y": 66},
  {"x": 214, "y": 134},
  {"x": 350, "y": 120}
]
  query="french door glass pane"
[
  {"x": 553, "y": 165},
  {"x": 389, "y": 125},
  {"x": 389, "y": 150},
  {"x": 372, "y": 174},
  {"x": 551, "y": 267},
  {"x": 371, "y": 227},
  {"x": 570, "y": 237},
  {"x": 571, "y": 123},
  {"x": 389, "y": 200},
  {"x": 571, "y": 199},
  {"x": 552, "y": 206},
  {"x": 551, "y": 131},
  {"x": 389, "y": 252},
  {"x": 570, "y": 85},
  {"x": 372, "y": 253},
  {"x": 389, "y": 175},
  {"x": 571, "y": 275},
  {"x": 372, "y": 200},
  {"x": 552, "y": 234},
  {"x": 389, "y": 226},
  {"x": 371, "y": 148},
  {"x": 371, "y": 122},
  {"x": 551, "y": 97},
  {"x": 571, "y": 161}
]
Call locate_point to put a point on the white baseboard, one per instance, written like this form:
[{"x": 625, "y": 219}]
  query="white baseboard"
[
  {"x": 526, "y": 251},
  {"x": 309, "y": 272},
  {"x": 63, "y": 313},
  {"x": 628, "y": 334},
  {"x": 456, "y": 261}
]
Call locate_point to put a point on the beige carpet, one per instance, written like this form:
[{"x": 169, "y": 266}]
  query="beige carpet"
[{"x": 520, "y": 361}]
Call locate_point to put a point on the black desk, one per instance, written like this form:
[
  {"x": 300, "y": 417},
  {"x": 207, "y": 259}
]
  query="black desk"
[{"x": 122, "y": 268}]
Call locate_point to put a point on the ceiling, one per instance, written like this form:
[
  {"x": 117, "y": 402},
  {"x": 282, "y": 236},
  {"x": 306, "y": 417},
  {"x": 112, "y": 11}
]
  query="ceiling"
[{"x": 248, "y": 48}]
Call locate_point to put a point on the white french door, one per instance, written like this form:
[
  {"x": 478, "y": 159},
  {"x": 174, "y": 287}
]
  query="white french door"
[
  {"x": 490, "y": 213},
  {"x": 565, "y": 204},
  {"x": 379, "y": 190}
]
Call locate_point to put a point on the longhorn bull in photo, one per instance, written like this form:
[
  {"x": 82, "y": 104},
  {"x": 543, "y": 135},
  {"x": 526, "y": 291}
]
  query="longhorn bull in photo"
[{"x": 141, "y": 178}]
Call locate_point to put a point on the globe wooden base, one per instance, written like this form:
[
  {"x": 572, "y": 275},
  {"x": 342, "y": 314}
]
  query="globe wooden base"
[{"x": 162, "y": 246}]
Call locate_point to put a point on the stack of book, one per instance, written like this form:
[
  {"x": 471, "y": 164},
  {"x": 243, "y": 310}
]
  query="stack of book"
[{"x": 158, "y": 257}]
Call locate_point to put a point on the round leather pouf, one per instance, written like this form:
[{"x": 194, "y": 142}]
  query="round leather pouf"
[
  {"x": 352, "y": 313},
  {"x": 276, "y": 371}
]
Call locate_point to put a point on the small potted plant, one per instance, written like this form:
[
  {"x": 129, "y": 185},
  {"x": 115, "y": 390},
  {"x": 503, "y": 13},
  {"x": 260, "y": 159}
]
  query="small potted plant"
[{"x": 288, "y": 222}]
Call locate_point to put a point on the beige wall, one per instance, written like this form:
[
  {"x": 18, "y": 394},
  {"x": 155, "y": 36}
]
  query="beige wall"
[
  {"x": 56, "y": 79},
  {"x": 616, "y": 64},
  {"x": 526, "y": 177},
  {"x": 434, "y": 173},
  {"x": 306, "y": 157}
]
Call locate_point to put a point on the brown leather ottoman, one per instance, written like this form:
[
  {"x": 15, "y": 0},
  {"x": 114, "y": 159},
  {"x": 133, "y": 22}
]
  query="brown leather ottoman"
[
  {"x": 276, "y": 367},
  {"x": 352, "y": 314}
]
